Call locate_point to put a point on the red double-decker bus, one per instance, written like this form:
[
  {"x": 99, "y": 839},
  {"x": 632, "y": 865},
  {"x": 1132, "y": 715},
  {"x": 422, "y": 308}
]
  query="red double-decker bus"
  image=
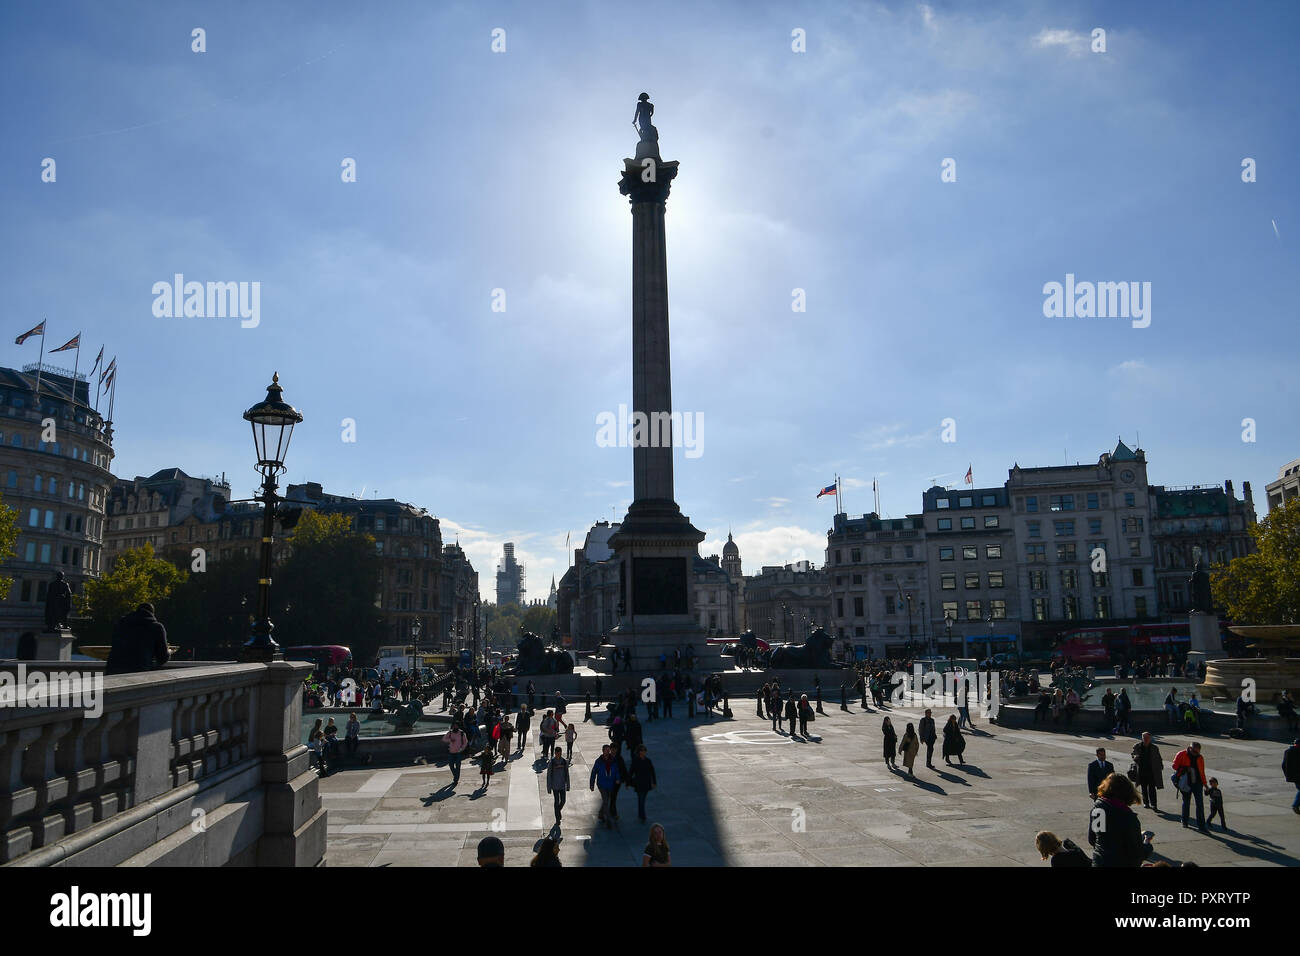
[{"x": 1103, "y": 646}]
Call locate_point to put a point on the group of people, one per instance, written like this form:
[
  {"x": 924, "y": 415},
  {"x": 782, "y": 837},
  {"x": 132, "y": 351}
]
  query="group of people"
[
  {"x": 788, "y": 709},
  {"x": 954, "y": 743},
  {"x": 323, "y": 742}
]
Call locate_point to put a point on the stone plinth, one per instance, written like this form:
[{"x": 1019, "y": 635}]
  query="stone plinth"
[
  {"x": 1204, "y": 633},
  {"x": 55, "y": 645}
]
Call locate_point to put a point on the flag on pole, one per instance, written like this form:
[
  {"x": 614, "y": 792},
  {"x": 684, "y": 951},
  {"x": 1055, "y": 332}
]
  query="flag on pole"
[
  {"x": 98, "y": 358},
  {"x": 108, "y": 370},
  {"x": 970, "y": 479},
  {"x": 72, "y": 343},
  {"x": 828, "y": 490},
  {"x": 108, "y": 382},
  {"x": 39, "y": 330}
]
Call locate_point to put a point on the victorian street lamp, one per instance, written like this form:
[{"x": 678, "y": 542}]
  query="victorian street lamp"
[
  {"x": 272, "y": 420},
  {"x": 415, "y": 645},
  {"x": 947, "y": 627},
  {"x": 908, "y": 598}
]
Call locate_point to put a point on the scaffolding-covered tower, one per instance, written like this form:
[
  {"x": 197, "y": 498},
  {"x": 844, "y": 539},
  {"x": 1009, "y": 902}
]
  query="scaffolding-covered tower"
[{"x": 510, "y": 578}]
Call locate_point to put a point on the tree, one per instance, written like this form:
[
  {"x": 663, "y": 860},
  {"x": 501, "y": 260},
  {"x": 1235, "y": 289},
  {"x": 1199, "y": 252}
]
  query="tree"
[
  {"x": 539, "y": 619},
  {"x": 8, "y": 540},
  {"x": 501, "y": 624},
  {"x": 325, "y": 591},
  {"x": 212, "y": 611},
  {"x": 138, "y": 577},
  {"x": 1264, "y": 587}
]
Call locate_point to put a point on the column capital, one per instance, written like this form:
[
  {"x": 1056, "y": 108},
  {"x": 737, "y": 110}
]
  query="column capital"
[{"x": 647, "y": 179}]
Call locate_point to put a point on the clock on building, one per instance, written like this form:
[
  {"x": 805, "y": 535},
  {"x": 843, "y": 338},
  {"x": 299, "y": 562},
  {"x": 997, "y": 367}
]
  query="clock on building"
[{"x": 1127, "y": 476}]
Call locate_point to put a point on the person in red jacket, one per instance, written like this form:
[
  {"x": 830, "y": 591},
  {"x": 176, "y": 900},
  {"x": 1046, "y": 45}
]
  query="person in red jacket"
[{"x": 1189, "y": 777}]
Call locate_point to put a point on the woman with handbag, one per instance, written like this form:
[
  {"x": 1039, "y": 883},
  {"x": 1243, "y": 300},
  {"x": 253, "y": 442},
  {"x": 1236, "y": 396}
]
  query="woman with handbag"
[{"x": 805, "y": 714}]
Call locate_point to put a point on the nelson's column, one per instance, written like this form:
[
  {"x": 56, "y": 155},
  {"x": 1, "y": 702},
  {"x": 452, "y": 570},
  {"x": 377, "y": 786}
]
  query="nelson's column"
[{"x": 656, "y": 544}]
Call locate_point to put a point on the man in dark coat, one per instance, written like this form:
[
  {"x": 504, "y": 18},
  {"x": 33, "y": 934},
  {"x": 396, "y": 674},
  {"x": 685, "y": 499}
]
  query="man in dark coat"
[
  {"x": 58, "y": 603},
  {"x": 1098, "y": 770},
  {"x": 139, "y": 643},
  {"x": 1291, "y": 771},
  {"x": 1150, "y": 769},
  {"x": 928, "y": 737}
]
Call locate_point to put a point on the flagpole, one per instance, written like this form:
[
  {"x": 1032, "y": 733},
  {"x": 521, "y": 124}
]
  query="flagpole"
[
  {"x": 40, "y": 365},
  {"x": 75, "y": 366},
  {"x": 99, "y": 359},
  {"x": 112, "y": 396}
]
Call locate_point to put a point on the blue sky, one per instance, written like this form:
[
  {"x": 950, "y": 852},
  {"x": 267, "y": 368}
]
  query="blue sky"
[{"x": 818, "y": 170}]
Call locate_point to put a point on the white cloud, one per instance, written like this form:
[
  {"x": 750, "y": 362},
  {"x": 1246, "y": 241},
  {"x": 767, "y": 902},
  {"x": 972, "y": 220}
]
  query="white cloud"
[
  {"x": 1130, "y": 366},
  {"x": 780, "y": 545},
  {"x": 1076, "y": 44},
  {"x": 773, "y": 502}
]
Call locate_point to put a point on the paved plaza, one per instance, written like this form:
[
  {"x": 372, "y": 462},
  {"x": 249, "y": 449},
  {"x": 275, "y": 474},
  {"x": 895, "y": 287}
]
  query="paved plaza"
[{"x": 733, "y": 793}]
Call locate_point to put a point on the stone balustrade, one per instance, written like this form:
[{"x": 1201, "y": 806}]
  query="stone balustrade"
[{"x": 194, "y": 764}]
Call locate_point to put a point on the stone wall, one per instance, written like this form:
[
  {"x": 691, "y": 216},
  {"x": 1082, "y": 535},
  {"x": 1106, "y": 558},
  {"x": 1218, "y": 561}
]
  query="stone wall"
[{"x": 191, "y": 765}]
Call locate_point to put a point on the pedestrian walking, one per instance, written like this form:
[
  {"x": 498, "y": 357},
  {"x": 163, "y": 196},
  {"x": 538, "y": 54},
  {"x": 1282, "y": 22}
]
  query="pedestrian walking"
[
  {"x": 817, "y": 686},
  {"x": 909, "y": 747},
  {"x": 487, "y": 760},
  {"x": 525, "y": 718},
  {"x": 547, "y": 734},
  {"x": 570, "y": 735},
  {"x": 891, "y": 743},
  {"x": 1216, "y": 804},
  {"x": 791, "y": 711},
  {"x": 641, "y": 775},
  {"x": 928, "y": 737},
  {"x": 1189, "y": 776},
  {"x": 506, "y": 732},
  {"x": 604, "y": 775},
  {"x": 805, "y": 714},
  {"x": 557, "y": 783},
  {"x": 456, "y": 741},
  {"x": 1098, "y": 770},
  {"x": 954, "y": 744},
  {"x": 1149, "y": 769},
  {"x": 587, "y": 716},
  {"x": 760, "y": 697},
  {"x": 1291, "y": 771},
  {"x": 1123, "y": 708},
  {"x": 964, "y": 709}
]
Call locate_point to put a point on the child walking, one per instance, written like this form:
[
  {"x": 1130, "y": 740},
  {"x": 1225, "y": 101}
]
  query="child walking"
[
  {"x": 570, "y": 735},
  {"x": 1216, "y": 803}
]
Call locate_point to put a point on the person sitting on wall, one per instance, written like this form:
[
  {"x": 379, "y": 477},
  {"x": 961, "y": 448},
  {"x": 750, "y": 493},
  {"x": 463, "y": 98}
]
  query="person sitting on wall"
[{"x": 139, "y": 643}]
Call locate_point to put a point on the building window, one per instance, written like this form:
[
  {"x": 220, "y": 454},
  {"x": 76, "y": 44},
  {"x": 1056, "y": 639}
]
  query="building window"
[
  {"x": 973, "y": 610},
  {"x": 860, "y": 631},
  {"x": 1140, "y": 606},
  {"x": 839, "y": 607},
  {"x": 1092, "y": 501},
  {"x": 993, "y": 552},
  {"x": 998, "y": 609},
  {"x": 891, "y": 606},
  {"x": 990, "y": 521},
  {"x": 907, "y": 552},
  {"x": 1038, "y": 580},
  {"x": 49, "y": 520},
  {"x": 965, "y": 501},
  {"x": 1070, "y": 607},
  {"x": 1137, "y": 578},
  {"x": 1100, "y": 579},
  {"x": 1035, "y": 553},
  {"x": 950, "y": 609},
  {"x": 31, "y": 552},
  {"x": 1066, "y": 552},
  {"x": 948, "y": 582},
  {"x": 17, "y": 441},
  {"x": 838, "y": 558},
  {"x": 1040, "y": 609},
  {"x": 1094, "y": 526},
  {"x": 970, "y": 554},
  {"x": 945, "y": 524},
  {"x": 1135, "y": 547},
  {"x": 1031, "y": 503},
  {"x": 1069, "y": 578},
  {"x": 857, "y": 607},
  {"x": 1064, "y": 529},
  {"x": 1035, "y": 529},
  {"x": 1062, "y": 502},
  {"x": 1130, "y": 500},
  {"x": 968, "y": 523},
  {"x": 1132, "y": 525},
  {"x": 13, "y": 480},
  {"x": 997, "y": 579},
  {"x": 45, "y": 555},
  {"x": 888, "y": 553},
  {"x": 855, "y": 555},
  {"x": 989, "y": 501},
  {"x": 857, "y": 579},
  {"x": 945, "y": 554},
  {"x": 972, "y": 580},
  {"x": 1101, "y": 606},
  {"x": 941, "y": 502}
]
